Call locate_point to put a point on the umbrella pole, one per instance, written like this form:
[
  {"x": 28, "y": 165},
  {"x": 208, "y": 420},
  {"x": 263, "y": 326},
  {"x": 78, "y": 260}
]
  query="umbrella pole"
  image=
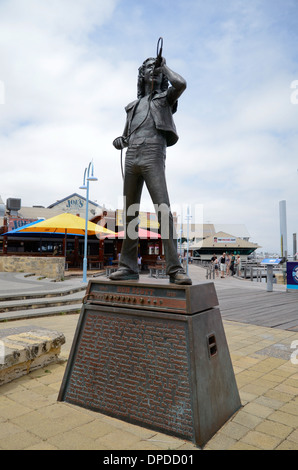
[{"x": 65, "y": 243}]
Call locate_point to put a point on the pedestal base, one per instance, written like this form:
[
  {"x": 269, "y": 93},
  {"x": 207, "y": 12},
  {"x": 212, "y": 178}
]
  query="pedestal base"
[{"x": 156, "y": 368}]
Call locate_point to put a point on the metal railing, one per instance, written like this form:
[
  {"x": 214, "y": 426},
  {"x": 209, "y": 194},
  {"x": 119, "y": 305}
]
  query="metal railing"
[{"x": 248, "y": 270}]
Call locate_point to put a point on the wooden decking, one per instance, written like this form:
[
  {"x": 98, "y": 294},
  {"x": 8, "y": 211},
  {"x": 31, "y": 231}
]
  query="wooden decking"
[
  {"x": 258, "y": 307},
  {"x": 249, "y": 302}
]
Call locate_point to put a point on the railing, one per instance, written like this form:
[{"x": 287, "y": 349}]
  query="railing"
[
  {"x": 210, "y": 272},
  {"x": 245, "y": 271},
  {"x": 249, "y": 270}
]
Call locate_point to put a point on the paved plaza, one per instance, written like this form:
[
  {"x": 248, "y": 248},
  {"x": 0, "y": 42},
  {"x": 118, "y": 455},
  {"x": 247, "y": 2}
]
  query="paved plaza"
[{"x": 265, "y": 365}]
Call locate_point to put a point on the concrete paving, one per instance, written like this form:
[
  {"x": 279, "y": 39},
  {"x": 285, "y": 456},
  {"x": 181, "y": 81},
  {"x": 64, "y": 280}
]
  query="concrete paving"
[
  {"x": 27, "y": 284},
  {"x": 32, "y": 419}
]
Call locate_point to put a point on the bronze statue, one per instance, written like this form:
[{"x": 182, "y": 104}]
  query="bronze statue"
[{"x": 148, "y": 131}]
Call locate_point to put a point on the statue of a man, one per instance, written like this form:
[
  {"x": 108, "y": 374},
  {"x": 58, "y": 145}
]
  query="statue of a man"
[{"x": 148, "y": 131}]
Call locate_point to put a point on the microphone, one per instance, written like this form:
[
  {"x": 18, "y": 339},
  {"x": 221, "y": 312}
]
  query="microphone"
[{"x": 159, "y": 52}]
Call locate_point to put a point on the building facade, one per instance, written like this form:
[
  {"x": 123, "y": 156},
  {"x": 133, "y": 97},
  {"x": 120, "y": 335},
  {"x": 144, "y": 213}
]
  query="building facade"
[{"x": 204, "y": 239}]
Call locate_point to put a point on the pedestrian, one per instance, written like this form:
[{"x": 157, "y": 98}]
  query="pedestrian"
[
  {"x": 216, "y": 266},
  {"x": 228, "y": 262},
  {"x": 222, "y": 262},
  {"x": 238, "y": 265},
  {"x": 232, "y": 265}
]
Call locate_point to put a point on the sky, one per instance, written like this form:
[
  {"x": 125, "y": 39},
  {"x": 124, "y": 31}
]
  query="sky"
[{"x": 68, "y": 68}]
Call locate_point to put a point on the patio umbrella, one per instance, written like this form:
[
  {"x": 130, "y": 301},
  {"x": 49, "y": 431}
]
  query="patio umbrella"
[
  {"x": 16, "y": 231},
  {"x": 66, "y": 224}
]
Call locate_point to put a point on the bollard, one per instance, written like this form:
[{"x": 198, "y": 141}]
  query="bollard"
[{"x": 269, "y": 278}]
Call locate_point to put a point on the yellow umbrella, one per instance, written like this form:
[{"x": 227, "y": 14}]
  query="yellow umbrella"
[{"x": 68, "y": 224}]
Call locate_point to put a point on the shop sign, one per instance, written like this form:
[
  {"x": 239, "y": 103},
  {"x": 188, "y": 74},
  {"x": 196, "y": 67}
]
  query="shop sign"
[
  {"x": 224, "y": 239},
  {"x": 17, "y": 222},
  {"x": 292, "y": 275}
]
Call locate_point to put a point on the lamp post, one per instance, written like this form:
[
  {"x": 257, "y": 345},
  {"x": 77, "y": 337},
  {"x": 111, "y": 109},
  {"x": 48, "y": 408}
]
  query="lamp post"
[
  {"x": 85, "y": 185},
  {"x": 181, "y": 231},
  {"x": 188, "y": 217}
]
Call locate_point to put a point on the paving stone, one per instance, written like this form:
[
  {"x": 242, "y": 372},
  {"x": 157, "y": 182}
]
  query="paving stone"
[
  {"x": 246, "y": 419},
  {"x": 19, "y": 441},
  {"x": 293, "y": 436},
  {"x": 8, "y": 428},
  {"x": 287, "y": 389},
  {"x": 269, "y": 402},
  {"x": 240, "y": 445},
  {"x": 234, "y": 430},
  {"x": 258, "y": 410},
  {"x": 95, "y": 429},
  {"x": 164, "y": 441},
  {"x": 285, "y": 418},
  {"x": 73, "y": 440},
  {"x": 220, "y": 442},
  {"x": 118, "y": 440},
  {"x": 287, "y": 445},
  {"x": 274, "y": 429},
  {"x": 277, "y": 395},
  {"x": 261, "y": 440},
  {"x": 41, "y": 446},
  {"x": 290, "y": 407},
  {"x": 13, "y": 410}
]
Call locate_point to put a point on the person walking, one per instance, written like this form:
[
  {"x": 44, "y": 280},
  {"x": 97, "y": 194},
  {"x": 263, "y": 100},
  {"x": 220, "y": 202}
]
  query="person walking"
[
  {"x": 238, "y": 265},
  {"x": 228, "y": 262},
  {"x": 140, "y": 263},
  {"x": 216, "y": 266},
  {"x": 222, "y": 262},
  {"x": 232, "y": 265}
]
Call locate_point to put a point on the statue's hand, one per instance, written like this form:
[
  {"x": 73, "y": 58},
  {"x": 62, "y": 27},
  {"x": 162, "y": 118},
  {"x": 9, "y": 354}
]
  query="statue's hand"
[
  {"x": 119, "y": 143},
  {"x": 160, "y": 62}
]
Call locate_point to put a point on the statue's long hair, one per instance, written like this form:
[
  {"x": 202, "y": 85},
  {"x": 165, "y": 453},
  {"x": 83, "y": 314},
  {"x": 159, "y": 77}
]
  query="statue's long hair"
[{"x": 141, "y": 83}]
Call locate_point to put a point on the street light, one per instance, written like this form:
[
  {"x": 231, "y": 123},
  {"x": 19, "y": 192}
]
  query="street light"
[
  {"x": 87, "y": 177},
  {"x": 181, "y": 231},
  {"x": 188, "y": 217}
]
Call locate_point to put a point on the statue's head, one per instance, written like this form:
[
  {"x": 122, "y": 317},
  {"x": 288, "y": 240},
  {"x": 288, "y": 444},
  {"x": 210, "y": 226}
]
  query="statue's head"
[{"x": 161, "y": 82}]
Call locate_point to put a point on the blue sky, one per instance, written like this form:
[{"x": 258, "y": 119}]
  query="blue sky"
[{"x": 69, "y": 68}]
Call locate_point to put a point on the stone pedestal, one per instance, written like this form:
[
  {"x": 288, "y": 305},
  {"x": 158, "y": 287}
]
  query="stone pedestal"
[
  {"x": 154, "y": 355},
  {"x": 25, "y": 349},
  {"x": 51, "y": 267}
]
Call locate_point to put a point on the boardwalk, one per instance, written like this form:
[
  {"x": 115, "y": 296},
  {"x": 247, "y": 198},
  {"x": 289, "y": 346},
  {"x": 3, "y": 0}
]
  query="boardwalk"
[
  {"x": 259, "y": 307},
  {"x": 249, "y": 302}
]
